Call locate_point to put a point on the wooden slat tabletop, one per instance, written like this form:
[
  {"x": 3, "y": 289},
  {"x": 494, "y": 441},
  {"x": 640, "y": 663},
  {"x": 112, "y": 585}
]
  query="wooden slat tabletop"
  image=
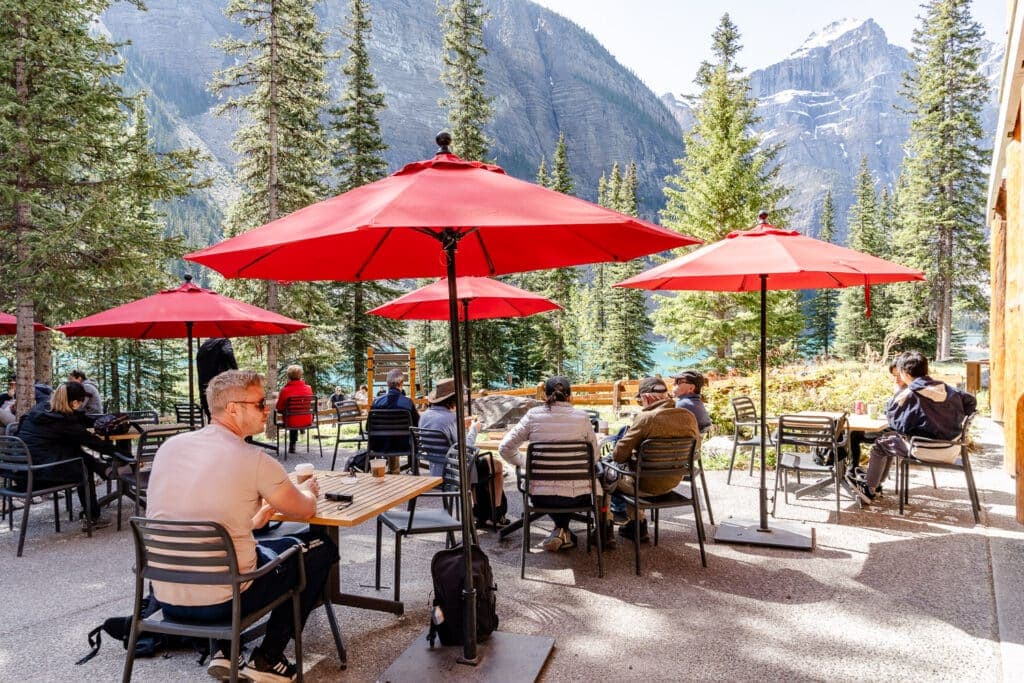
[
  {"x": 370, "y": 496},
  {"x": 135, "y": 434},
  {"x": 857, "y": 423}
]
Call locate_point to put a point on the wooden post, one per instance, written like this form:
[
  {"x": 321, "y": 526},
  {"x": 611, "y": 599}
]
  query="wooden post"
[
  {"x": 369, "y": 375},
  {"x": 540, "y": 391},
  {"x": 412, "y": 373}
]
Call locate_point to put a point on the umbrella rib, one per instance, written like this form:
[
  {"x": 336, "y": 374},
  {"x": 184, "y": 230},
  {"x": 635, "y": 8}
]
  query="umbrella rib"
[
  {"x": 373, "y": 252},
  {"x": 483, "y": 250}
]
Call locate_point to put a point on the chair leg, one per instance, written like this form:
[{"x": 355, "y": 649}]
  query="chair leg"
[
  {"x": 902, "y": 473},
  {"x": 707, "y": 496},
  {"x": 337, "y": 441},
  {"x": 972, "y": 490},
  {"x": 129, "y": 660},
  {"x": 56, "y": 512},
  {"x": 376, "y": 565},
  {"x": 836, "y": 474},
  {"x": 297, "y": 625},
  {"x": 935, "y": 484},
  {"x": 699, "y": 521},
  {"x": 319, "y": 441},
  {"x": 597, "y": 535},
  {"x": 753, "y": 454},
  {"x": 67, "y": 504},
  {"x": 398, "y": 565},
  {"x": 526, "y": 538},
  {"x": 732, "y": 458},
  {"x": 236, "y": 651},
  {"x": 775, "y": 490},
  {"x": 636, "y": 536},
  {"x": 24, "y": 522}
]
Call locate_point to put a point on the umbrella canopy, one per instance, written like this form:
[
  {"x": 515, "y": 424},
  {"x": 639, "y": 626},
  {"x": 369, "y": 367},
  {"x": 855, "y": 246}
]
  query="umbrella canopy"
[
  {"x": 9, "y": 324},
  {"x": 482, "y": 298},
  {"x": 767, "y": 258},
  {"x": 183, "y": 312},
  {"x": 390, "y": 229},
  {"x": 482, "y": 221}
]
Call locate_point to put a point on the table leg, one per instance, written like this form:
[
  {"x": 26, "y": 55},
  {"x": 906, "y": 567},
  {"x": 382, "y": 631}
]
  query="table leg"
[{"x": 338, "y": 597}]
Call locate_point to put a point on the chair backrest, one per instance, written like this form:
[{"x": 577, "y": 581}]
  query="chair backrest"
[
  {"x": 813, "y": 431},
  {"x": 665, "y": 457},
  {"x": 152, "y": 439},
  {"x": 15, "y": 457},
  {"x": 431, "y": 445},
  {"x": 184, "y": 552},
  {"x": 301, "y": 405},
  {"x": 183, "y": 410},
  {"x": 935, "y": 450},
  {"x": 348, "y": 411},
  {"x": 143, "y": 417},
  {"x": 744, "y": 408},
  {"x": 387, "y": 430},
  {"x": 560, "y": 461}
]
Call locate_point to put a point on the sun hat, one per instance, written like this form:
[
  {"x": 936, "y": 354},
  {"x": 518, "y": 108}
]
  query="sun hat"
[
  {"x": 443, "y": 390},
  {"x": 652, "y": 385}
]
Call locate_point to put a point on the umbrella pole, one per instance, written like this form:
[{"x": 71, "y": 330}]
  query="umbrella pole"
[
  {"x": 450, "y": 241},
  {"x": 469, "y": 367},
  {"x": 191, "y": 386},
  {"x": 763, "y": 495}
]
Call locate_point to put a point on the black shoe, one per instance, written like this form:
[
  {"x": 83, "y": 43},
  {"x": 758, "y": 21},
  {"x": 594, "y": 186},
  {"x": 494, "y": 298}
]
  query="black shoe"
[
  {"x": 608, "y": 541},
  {"x": 291, "y": 449},
  {"x": 627, "y": 531},
  {"x": 99, "y": 522},
  {"x": 262, "y": 669},
  {"x": 860, "y": 489},
  {"x": 220, "y": 666}
]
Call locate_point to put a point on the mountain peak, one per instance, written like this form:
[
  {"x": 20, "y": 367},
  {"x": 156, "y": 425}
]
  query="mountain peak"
[{"x": 831, "y": 33}]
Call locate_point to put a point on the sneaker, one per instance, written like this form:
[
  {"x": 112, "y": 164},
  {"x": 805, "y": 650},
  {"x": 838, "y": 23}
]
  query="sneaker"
[
  {"x": 262, "y": 669},
  {"x": 568, "y": 540},
  {"x": 553, "y": 543},
  {"x": 220, "y": 665},
  {"x": 628, "y": 531},
  {"x": 100, "y": 522},
  {"x": 860, "y": 489}
]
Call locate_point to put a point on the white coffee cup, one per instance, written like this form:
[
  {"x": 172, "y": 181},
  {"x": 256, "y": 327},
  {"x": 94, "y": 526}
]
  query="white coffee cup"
[{"x": 303, "y": 472}]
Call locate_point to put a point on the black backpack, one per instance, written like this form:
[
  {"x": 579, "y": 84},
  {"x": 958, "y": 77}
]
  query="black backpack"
[{"x": 448, "y": 571}]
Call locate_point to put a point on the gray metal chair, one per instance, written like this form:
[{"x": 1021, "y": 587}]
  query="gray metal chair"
[
  {"x": 190, "y": 414},
  {"x": 299, "y": 406},
  {"x": 387, "y": 436},
  {"x": 202, "y": 553},
  {"x": 935, "y": 453},
  {"x": 413, "y": 521},
  {"x": 20, "y": 478},
  {"x": 664, "y": 458},
  {"x": 346, "y": 413},
  {"x": 562, "y": 461},
  {"x": 133, "y": 471},
  {"x": 746, "y": 432},
  {"x": 810, "y": 433}
]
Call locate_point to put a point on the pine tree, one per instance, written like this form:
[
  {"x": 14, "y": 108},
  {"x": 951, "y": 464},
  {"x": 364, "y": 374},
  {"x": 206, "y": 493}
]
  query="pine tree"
[
  {"x": 278, "y": 89},
  {"x": 854, "y": 332},
  {"x": 69, "y": 172},
  {"x": 727, "y": 176},
  {"x": 542, "y": 174},
  {"x": 941, "y": 223},
  {"x": 468, "y": 108},
  {"x": 627, "y": 347},
  {"x": 358, "y": 159},
  {"x": 823, "y": 304}
]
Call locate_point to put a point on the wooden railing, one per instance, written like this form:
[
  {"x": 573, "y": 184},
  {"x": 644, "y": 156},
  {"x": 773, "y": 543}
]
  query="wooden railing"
[{"x": 618, "y": 394}]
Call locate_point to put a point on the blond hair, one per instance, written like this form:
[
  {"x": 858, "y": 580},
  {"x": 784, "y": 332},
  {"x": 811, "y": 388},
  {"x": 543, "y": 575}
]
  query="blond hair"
[
  {"x": 229, "y": 386},
  {"x": 59, "y": 400},
  {"x": 294, "y": 372}
]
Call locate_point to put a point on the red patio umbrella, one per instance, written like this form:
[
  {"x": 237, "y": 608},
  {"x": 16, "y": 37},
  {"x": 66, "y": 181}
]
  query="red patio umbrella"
[
  {"x": 9, "y": 324},
  {"x": 482, "y": 298},
  {"x": 184, "y": 311},
  {"x": 766, "y": 258},
  {"x": 412, "y": 223}
]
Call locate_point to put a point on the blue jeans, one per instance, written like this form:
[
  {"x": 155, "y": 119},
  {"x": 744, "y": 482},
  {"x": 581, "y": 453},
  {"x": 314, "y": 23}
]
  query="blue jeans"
[{"x": 320, "y": 554}]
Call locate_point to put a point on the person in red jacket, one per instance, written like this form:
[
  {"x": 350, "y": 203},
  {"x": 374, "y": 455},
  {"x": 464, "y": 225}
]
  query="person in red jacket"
[{"x": 294, "y": 387}]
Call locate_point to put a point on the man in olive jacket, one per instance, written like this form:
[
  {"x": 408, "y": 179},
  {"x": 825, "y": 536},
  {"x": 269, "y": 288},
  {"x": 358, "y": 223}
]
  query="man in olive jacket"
[{"x": 658, "y": 419}]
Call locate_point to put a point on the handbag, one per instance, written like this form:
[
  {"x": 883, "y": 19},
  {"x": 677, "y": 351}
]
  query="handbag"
[{"x": 111, "y": 424}]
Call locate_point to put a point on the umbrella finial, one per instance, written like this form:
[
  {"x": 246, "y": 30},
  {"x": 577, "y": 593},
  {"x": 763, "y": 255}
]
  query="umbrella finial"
[
  {"x": 762, "y": 217},
  {"x": 443, "y": 140},
  {"x": 187, "y": 278}
]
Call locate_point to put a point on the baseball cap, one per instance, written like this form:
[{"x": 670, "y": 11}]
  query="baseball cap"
[
  {"x": 553, "y": 382},
  {"x": 691, "y": 377},
  {"x": 652, "y": 385}
]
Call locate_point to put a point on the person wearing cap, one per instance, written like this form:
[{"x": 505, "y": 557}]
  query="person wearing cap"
[
  {"x": 394, "y": 398},
  {"x": 337, "y": 397},
  {"x": 686, "y": 390},
  {"x": 56, "y": 431},
  {"x": 555, "y": 421},
  {"x": 659, "y": 418},
  {"x": 440, "y": 416}
]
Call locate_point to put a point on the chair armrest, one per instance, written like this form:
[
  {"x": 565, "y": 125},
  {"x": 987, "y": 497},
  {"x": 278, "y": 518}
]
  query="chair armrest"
[
  {"x": 269, "y": 566},
  {"x": 933, "y": 442},
  {"x": 618, "y": 467},
  {"x": 47, "y": 465}
]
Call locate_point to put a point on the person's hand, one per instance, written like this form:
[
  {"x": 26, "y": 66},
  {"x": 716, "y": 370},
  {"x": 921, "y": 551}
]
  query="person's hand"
[
  {"x": 311, "y": 485},
  {"x": 263, "y": 516},
  {"x": 471, "y": 420}
]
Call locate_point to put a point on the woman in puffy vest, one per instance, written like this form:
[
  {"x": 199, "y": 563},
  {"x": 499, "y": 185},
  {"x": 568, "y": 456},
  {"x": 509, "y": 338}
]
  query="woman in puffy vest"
[{"x": 294, "y": 387}]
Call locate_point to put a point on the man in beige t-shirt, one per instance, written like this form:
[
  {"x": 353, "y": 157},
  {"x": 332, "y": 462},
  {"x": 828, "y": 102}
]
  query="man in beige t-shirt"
[{"x": 213, "y": 475}]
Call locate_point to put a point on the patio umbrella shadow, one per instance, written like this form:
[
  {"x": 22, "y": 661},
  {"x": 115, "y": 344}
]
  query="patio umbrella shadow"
[{"x": 950, "y": 590}]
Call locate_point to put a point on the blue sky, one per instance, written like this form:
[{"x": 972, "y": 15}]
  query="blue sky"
[{"x": 664, "y": 41}]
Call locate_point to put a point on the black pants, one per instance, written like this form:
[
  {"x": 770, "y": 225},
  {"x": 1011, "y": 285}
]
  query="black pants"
[
  {"x": 561, "y": 519},
  {"x": 69, "y": 474},
  {"x": 318, "y": 557},
  {"x": 293, "y": 437}
]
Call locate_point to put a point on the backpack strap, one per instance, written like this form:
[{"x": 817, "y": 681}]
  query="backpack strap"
[{"x": 95, "y": 640}]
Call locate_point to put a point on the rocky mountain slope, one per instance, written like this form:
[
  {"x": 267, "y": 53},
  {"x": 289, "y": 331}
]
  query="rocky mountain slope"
[
  {"x": 545, "y": 73},
  {"x": 833, "y": 101}
]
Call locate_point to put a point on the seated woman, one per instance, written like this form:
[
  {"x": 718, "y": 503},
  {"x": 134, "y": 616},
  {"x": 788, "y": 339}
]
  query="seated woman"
[
  {"x": 555, "y": 421},
  {"x": 55, "y": 431},
  {"x": 441, "y": 416},
  {"x": 294, "y": 387}
]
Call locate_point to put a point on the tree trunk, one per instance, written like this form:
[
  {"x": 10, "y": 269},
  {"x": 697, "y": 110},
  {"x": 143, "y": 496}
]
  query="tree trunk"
[
  {"x": 272, "y": 202},
  {"x": 43, "y": 361},
  {"x": 24, "y": 346},
  {"x": 359, "y": 340},
  {"x": 115, "y": 380}
]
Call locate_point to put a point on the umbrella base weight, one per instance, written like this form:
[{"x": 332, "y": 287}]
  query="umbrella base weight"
[
  {"x": 503, "y": 656},
  {"x": 778, "y": 535}
]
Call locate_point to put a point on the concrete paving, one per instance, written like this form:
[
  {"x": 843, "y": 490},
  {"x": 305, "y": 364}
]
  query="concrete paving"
[{"x": 929, "y": 596}]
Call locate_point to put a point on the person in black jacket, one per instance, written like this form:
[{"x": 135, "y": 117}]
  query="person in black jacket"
[
  {"x": 213, "y": 357},
  {"x": 55, "y": 432}
]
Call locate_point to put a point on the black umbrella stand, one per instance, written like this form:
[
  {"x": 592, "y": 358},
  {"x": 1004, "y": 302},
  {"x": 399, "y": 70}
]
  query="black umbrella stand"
[
  {"x": 782, "y": 535},
  {"x": 504, "y": 656}
]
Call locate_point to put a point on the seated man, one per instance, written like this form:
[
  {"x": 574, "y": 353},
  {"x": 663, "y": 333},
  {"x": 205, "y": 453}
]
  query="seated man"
[
  {"x": 686, "y": 390},
  {"x": 858, "y": 438},
  {"x": 658, "y": 419},
  {"x": 925, "y": 408},
  {"x": 394, "y": 398},
  {"x": 213, "y": 475}
]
